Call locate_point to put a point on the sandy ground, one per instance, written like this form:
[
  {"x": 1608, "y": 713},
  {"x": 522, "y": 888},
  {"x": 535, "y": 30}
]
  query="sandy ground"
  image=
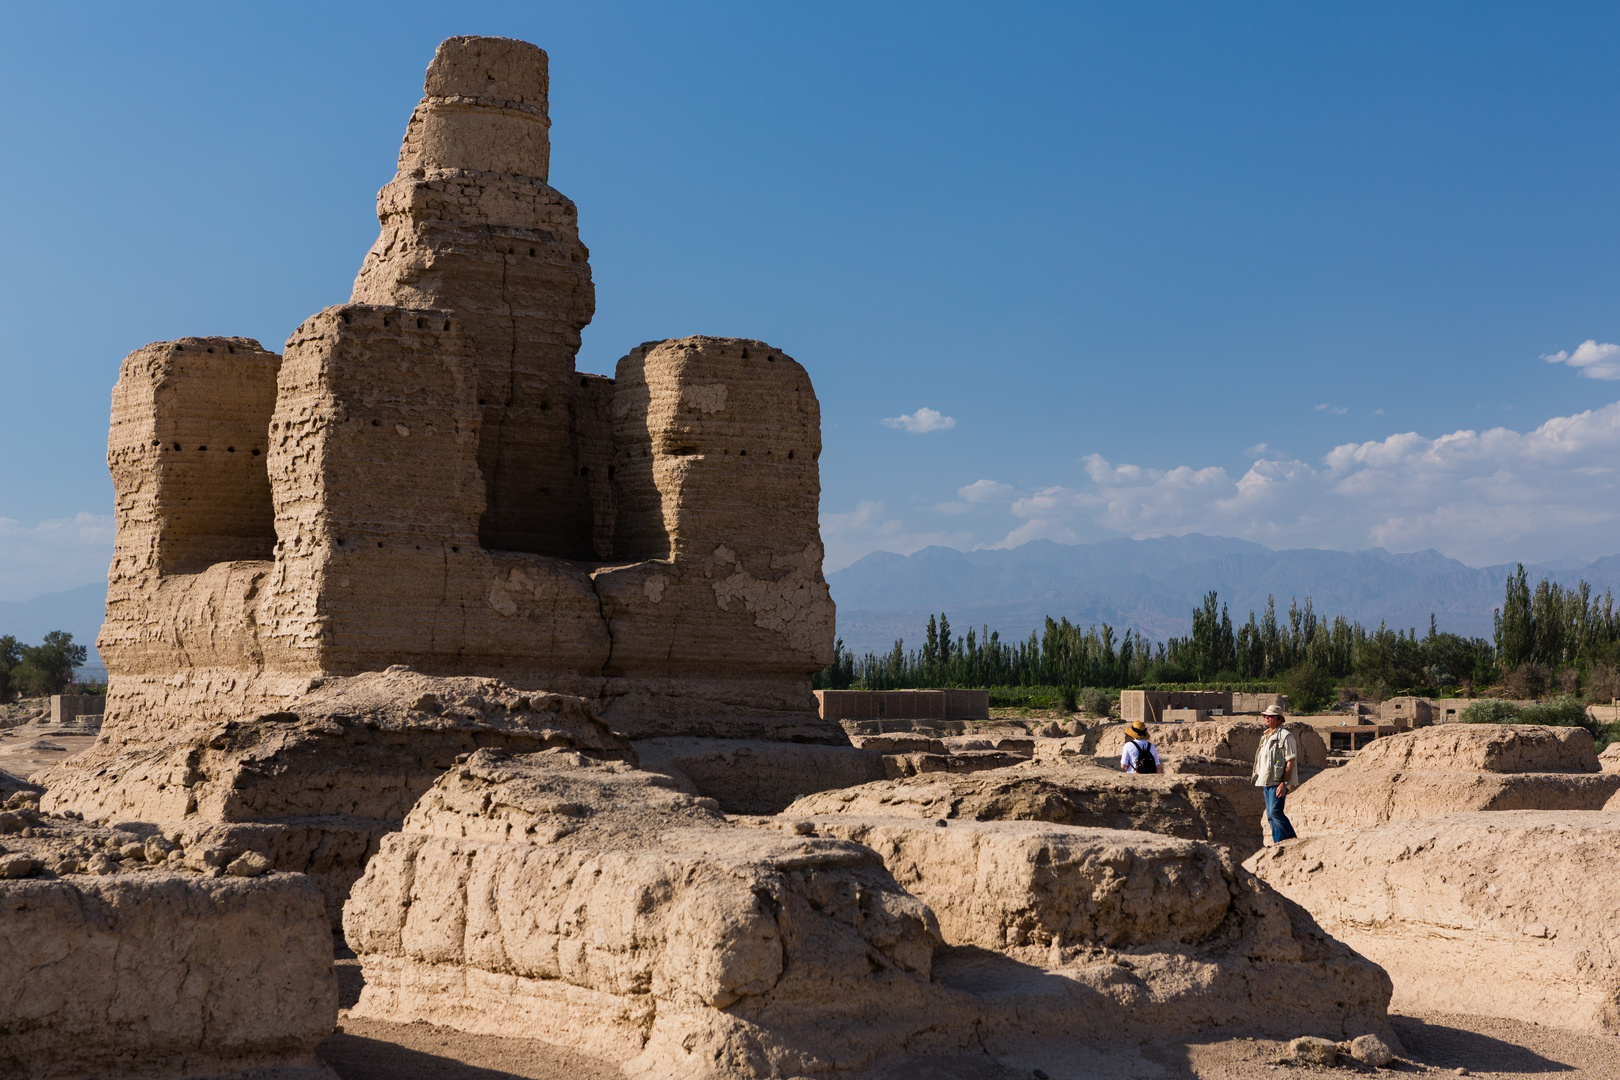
[
  {"x": 35, "y": 747},
  {"x": 1436, "y": 1045}
]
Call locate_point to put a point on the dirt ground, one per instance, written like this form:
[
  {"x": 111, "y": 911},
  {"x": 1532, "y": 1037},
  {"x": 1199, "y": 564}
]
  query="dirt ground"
[
  {"x": 1436, "y": 1045},
  {"x": 32, "y": 748}
]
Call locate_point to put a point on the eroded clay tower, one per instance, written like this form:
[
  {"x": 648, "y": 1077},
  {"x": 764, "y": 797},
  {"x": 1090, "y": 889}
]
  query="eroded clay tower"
[{"x": 470, "y": 225}]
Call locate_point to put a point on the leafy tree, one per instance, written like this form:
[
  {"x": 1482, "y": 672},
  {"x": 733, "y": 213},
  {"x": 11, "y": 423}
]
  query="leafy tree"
[
  {"x": 47, "y": 668},
  {"x": 1309, "y": 688},
  {"x": 1490, "y": 711},
  {"x": 839, "y": 674},
  {"x": 10, "y": 657},
  {"x": 1095, "y": 702}
]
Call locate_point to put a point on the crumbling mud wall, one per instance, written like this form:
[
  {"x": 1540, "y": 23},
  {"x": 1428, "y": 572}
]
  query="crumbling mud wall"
[
  {"x": 1454, "y": 768},
  {"x": 592, "y": 905},
  {"x": 470, "y": 225},
  {"x": 1506, "y": 913},
  {"x": 424, "y": 479},
  {"x": 161, "y": 973}
]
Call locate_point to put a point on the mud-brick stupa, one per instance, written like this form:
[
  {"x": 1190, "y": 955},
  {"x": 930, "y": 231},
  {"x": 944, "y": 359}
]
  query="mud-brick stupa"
[{"x": 423, "y": 478}]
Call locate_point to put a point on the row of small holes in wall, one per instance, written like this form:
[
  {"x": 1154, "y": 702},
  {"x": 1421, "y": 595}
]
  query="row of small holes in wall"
[
  {"x": 421, "y": 324},
  {"x": 228, "y": 449},
  {"x": 585, "y": 470},
  {"x": 688, "y": 451},
  {"x": 454, "y": 547},
  {"x": 229, "y": 348},
  {"x": 545, "y": 406}
]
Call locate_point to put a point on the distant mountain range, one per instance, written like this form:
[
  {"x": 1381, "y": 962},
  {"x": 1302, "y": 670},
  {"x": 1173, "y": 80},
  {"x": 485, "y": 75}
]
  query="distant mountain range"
[
  {"x": 78, "y": 611},
  {"x": 1153, "y": 585}
]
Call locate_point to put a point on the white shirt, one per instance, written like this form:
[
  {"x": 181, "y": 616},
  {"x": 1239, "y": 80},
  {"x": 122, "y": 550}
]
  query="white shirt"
[{"x": 1127, "y": 760}]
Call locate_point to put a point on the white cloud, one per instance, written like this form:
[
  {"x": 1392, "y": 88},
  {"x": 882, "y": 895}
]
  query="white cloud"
[
  {"x": 61, "y": 553},
  {"x": 921, "y": 422},
  {"x": 985, "y": 491},
  {"x": 1332, "y": 410},
  {"x": 1482, "y": 497},
  {"x": 1592, "y": 360},
  {"x": 869, "y": 528}
]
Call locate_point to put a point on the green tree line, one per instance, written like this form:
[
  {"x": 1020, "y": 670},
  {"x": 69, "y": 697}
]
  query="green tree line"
[
  {"x": 33, "y": 670},
  {"x": 1546, "y": 638}
]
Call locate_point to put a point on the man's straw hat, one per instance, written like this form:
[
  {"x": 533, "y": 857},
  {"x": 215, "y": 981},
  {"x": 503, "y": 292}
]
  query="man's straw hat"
[
  {"x": 1138, "y": 729},
  {"x": 1272, "y": 710}
]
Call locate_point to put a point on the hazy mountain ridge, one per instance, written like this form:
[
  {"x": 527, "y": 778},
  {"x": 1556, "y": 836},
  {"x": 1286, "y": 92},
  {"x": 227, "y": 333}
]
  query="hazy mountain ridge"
[
  {"x": 1152, "y": 585},
  {"x": 78, "y": 611}
]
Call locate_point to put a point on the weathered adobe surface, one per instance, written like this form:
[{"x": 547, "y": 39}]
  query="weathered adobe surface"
[
  {"x": 1182, "y": 806},
  {"x": 1500, "y": 748},
  {"x": 470, "y": 225},
  {"x": 424, "y": 479},
  {"x": 315, "y": 785},
  {"x": 1454, "y": 768},
  {"x": 123, "y": 955},
  {"x": 593, "y": 905},
  {"x": 1495, "y": 914},
  {"x": 11, "y": 785},
  {"x": 753, "y": 776}
]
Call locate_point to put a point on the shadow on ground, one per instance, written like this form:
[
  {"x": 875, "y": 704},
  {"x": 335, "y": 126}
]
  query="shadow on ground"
[
  {"x": 355, "y": 1057},
  {"x": 1443, "y": 1047}
]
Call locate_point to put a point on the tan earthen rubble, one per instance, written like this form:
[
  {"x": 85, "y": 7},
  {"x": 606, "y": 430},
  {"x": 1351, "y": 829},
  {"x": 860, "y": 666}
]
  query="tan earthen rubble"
[
  {"x": 1505, "y": 913},
  {"x": 1453, "y": 768},
  {"x": 123, "y": 954},
  {"x": 1182, "y": 806},
  {"x": 593, "y": 904},
  {"x": 314, "y": 785}
]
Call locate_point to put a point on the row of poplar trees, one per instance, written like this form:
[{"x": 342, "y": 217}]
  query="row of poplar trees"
[{"x": 1549, "y": 625}]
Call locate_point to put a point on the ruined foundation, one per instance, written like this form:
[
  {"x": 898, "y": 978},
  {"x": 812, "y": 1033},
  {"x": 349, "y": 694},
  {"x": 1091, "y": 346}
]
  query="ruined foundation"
[
  {"x": 595, "y": 906},
  {"x": 1505, "y": 913},
  {"x": 1453, "y": 768},
  {"x": 126, "y": 957}
]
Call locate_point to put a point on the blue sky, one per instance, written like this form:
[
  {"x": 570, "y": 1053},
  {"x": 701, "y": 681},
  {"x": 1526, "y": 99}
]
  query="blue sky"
[{"x": 1288, "y": 272}]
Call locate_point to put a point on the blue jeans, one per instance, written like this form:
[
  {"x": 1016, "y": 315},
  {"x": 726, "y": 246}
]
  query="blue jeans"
[{"x": 1281, "y": 828}]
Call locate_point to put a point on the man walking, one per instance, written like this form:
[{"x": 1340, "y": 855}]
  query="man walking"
[{"x": 1275, "y": 773}]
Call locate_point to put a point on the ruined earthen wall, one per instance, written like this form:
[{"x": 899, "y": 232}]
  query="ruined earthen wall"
[
  {"x": 470, "y": 225},
  {"x": 904, "y": 704},
  {"x": 373, "y": 447},
  {"x": 717, "y": 489},
  {"x": 186, "y": 450},
  {"x": 592, "y": 412},
  {"x": 687, "y": 416}
]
